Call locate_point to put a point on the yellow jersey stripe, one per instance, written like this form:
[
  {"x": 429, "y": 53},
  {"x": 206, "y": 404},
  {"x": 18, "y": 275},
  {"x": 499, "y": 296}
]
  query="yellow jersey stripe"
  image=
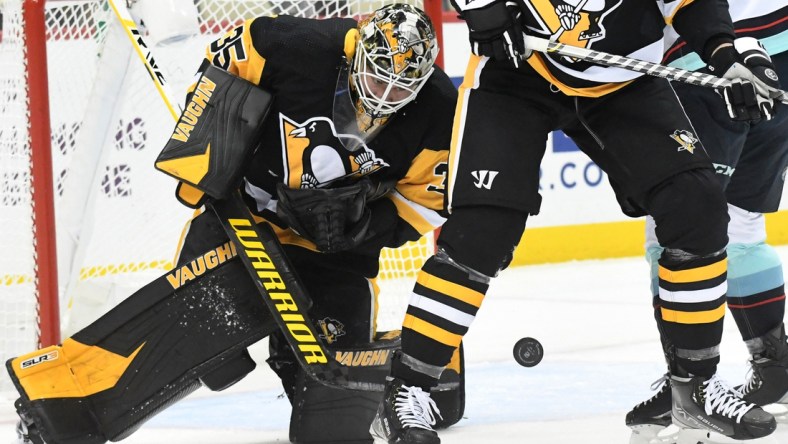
[
  {"x": 540, "y": 66},
  {"x": 412, "y": 216},
  {"x": 469, "y": 82}
]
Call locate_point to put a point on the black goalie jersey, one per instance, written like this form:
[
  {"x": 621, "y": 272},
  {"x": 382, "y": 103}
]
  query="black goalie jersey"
[{"x": 299, "y": 61}]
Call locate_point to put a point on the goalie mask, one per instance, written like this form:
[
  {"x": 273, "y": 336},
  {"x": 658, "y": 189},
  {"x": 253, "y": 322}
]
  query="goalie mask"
[{"x": 393, "y": 60}]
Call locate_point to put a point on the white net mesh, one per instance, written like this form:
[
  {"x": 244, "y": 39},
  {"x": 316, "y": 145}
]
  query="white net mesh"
[
  {"x": 118, "y": 224},
  {"x": 17, "y": 261}
]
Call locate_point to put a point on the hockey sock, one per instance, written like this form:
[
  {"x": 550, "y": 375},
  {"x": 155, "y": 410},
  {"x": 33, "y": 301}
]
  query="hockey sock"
[
  {"x": 444, "y": 303},
  {"x": 692, "y": 308},
  {"x": 756, "y": 289}
]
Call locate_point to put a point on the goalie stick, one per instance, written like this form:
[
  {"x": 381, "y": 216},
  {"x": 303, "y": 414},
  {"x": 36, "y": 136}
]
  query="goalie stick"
[
  {"x": 653, "y": 69},
  {"x": 145, "y": 55}
]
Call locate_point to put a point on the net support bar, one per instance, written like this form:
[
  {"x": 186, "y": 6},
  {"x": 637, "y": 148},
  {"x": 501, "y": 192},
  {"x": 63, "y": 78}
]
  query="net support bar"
[{"x": 41, "y": 177}]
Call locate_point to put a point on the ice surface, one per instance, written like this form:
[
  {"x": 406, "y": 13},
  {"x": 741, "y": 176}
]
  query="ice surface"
[{"x": 594, "y": 319}]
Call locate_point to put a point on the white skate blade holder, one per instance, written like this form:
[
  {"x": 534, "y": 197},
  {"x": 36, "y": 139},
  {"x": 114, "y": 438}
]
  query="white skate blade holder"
[
  {"x": 654, "y": 434},
  {"x": 694, "y": 436}
]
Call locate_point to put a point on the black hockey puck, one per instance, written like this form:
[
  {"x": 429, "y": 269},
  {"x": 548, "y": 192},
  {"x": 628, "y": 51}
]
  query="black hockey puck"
[{"x": 528, "y": 352}]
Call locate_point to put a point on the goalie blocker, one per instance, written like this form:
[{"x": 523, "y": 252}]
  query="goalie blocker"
[{"x": 191, "y": 326}]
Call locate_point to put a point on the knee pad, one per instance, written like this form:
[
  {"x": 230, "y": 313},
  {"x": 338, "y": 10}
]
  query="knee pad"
[
  {"x": 483, "y": 238},
  {"x": 690, "y": 213}
]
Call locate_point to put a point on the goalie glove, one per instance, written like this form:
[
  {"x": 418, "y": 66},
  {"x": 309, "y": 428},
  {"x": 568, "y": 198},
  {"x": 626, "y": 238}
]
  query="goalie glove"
[
  {"x": 495, "y": 31},
  {"x": 754, "y": 79},
  {"x": 334, "y": 219}
]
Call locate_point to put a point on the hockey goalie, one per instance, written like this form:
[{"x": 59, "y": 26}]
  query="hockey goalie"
[{"x": 306, "y": 146}]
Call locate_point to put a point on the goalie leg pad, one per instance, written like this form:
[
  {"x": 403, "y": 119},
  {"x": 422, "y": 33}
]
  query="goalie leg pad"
[
  {"x": 188, "y": 327},
  {"x": 324, "y": 415}
]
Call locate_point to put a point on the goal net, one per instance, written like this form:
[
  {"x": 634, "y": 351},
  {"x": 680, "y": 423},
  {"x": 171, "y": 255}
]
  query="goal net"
[{"x": 116, "y": 221}]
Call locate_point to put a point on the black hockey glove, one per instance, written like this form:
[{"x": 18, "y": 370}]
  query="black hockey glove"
[
  {"x": 495, "y": 31},
  {"x": 335, "y": 219},
  {"x": 754, "y": 79}
]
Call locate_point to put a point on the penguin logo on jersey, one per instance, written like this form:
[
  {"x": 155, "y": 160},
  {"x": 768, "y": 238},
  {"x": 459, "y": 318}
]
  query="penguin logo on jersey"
[
  {"x": 314, "y": 154},
  {"x": 574, "y": 22},
  {"x": 331, "y": 328},
  {"x": 686, "y": 140}
]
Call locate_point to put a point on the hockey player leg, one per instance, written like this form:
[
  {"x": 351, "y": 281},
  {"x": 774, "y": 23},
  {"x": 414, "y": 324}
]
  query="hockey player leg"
[
  {"x": 448, "y": 292},
  {"x": 756, "y": 298},
  {"x": 692, "y": 290}
]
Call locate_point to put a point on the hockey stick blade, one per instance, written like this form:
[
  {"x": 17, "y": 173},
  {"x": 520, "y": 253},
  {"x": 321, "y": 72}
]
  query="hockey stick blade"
[
  {"x": 284, "y": 295},
  {"x": 653, "y": 69}
]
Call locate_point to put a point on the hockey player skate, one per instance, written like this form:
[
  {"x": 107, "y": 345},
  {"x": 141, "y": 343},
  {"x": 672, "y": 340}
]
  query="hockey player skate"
[
  {"x": 768, "y": 380},
  {"x": 709, "y": 406},
  {"x": 649, "y": 419},
  {"x": 406, "y": 415},
  {"x": 705, "y": 411}
]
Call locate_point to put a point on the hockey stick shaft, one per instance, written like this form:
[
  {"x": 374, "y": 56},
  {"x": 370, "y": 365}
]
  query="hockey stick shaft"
[
  {"x": 653, "y": 69},
  {"x": 146, "y": 57}
]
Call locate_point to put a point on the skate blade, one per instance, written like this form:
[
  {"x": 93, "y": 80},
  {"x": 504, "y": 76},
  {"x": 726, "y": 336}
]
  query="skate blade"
[
  {"x": 653, "y": 434},
  {"x": 693, "y": 436}
]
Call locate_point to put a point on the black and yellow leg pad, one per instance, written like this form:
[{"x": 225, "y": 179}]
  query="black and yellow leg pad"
[
  {"x": 328, "y": 415},
  {"x": 188, "y": 328}
]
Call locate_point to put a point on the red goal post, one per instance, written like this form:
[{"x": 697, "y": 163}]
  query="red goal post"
[{"x": 74, "y": 142}]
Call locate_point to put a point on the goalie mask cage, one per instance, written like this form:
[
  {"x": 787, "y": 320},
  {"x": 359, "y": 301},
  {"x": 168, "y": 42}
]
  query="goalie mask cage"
[{"x": 81, "y": 123}]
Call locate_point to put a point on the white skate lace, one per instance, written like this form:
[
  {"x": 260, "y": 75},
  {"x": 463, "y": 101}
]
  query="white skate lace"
[
  {"x": 751, "y": 378},
  {"x": 724, "y": 400},
  {"x": 657, "y": 386},
  {"x": 415, "y": 408}
]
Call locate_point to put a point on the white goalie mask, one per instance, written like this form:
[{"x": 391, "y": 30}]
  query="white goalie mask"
[{"x": 394, "y": 58}]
